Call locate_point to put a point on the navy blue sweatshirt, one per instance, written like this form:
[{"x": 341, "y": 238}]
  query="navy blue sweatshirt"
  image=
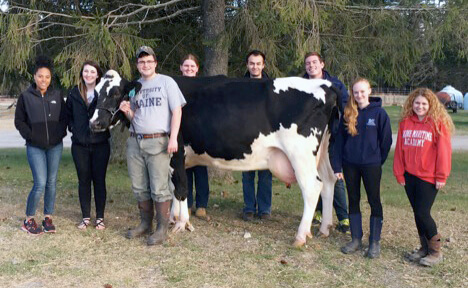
[{"x": 371, "y": 145}]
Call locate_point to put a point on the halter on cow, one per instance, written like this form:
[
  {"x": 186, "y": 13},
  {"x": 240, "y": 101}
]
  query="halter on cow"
[{"x": 248, "y": 124}]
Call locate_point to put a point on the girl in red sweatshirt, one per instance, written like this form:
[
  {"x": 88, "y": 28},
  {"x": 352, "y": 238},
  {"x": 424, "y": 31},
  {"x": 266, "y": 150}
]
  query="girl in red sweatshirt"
[{"x": 422, "y": 165}]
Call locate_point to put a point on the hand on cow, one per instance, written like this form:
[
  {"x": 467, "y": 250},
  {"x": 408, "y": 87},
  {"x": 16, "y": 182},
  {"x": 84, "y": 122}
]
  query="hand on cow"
[
  {"x": 172, "y": 146},
  {"x": 126, "y": 109},
  {"x": 439, "y": 185},
  {"x": 339, "y": 176}
]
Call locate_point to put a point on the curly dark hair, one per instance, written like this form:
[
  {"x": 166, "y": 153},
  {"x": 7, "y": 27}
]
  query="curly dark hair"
[{"x": 43, "y": 61}]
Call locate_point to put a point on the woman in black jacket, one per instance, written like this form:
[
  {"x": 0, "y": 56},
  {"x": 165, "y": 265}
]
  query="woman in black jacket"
[
  {"x": 90, "y": 150},
  {"x": 41, "y": 119}
]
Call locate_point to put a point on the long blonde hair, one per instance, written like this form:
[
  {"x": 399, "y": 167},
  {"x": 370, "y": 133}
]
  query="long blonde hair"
[
  {"x": 436, "y": 112},
  {"x": 351, "y": 110}
]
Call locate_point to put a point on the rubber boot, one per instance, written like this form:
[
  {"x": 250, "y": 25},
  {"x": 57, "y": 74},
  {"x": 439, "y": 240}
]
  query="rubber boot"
[
  {"x": 162, "y": 216},
  {"x": 434, "y": 255},
  {"x": 355, "y": 221},
  {"x": 146, "y": 218},
  {"x": 374, "y": 237},
  {"x": 417, "y": 254}
]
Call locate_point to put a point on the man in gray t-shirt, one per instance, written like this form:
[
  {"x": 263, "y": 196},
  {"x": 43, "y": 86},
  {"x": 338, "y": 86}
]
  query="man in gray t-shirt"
[{"x": 155, "y": 113}]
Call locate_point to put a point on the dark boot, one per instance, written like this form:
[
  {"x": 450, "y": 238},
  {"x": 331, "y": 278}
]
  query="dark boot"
[
  {"x": 162, "y": 216},
  {"x": 146, "y": 218},
  {"x": 374, "y": 237},
  {"x": 434, "y": 255},
  {"x": 355, "y": 221},
  {"x": 417, "y": 254}
]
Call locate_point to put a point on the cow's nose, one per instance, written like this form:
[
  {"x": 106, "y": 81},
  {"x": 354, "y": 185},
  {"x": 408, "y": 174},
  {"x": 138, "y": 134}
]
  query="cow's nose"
[{"x": 95, "y": 125}]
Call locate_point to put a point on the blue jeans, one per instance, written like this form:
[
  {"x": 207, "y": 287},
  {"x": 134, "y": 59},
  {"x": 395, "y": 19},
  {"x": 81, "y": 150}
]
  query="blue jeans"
[
  {"x": 44, "y": 165},
  {"x": 202, "y": 190},
  {"x": 339, "y": 201},
  {"x": 263, "y": 199}
]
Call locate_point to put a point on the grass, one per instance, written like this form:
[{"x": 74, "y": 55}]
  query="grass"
[
  {"x": 216, "y": 254},
  {"x": 460, "y": 119}
]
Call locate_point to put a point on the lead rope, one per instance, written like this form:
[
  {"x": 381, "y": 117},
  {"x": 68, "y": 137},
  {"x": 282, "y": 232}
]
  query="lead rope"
[{"x": 131, "y": 94}]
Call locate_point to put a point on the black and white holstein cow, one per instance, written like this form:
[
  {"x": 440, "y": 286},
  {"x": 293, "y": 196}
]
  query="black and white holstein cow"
[{"x": 248, "y": 124}]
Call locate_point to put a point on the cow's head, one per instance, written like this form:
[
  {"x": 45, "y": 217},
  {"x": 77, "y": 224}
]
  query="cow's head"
[{"x": 112, "y": 89}]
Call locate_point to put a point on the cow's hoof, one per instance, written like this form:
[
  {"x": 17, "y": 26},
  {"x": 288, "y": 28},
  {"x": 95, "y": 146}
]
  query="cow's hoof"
[
  {"x": 322, "y": 234},
  {"x": 189, "y": 227},
  {"x": 181, "y": 226},
  {"x": 173, "y": 219},
  {"x": 178, "y": 227},
  {"x": 299, "y": 243}
]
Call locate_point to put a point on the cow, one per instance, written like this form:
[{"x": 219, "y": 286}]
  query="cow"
[{"x": 249, "y": 124}]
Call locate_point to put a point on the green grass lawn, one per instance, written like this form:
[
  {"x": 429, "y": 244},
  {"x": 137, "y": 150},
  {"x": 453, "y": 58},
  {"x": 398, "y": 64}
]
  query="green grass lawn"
[
  {"x": 216, "y": 254},
  {"x": 460, "y": 119}
]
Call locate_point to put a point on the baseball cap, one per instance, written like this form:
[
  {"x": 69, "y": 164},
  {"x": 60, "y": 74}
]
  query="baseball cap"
[{"x": 147, "y": 50}]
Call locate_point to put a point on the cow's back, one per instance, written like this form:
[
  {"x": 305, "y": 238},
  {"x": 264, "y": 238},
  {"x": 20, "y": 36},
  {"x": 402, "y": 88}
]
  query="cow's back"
[{"x": 224, "y": 116}]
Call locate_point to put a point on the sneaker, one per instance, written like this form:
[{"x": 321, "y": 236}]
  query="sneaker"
[
  {"x": 317, "y": 218},
  {"x": 265, "y": 216},
  {"x": 248, "y": 216},
  {"x": 343, "y": 226},
  {"x": 30, "y": 226},
  {"x": 48, "y": 225}
]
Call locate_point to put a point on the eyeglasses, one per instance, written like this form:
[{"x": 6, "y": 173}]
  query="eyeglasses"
[{"x": 145, "y": 62}]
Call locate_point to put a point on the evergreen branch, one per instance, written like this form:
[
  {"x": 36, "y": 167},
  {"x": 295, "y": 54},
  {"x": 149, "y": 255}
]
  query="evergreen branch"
[
  {"x": 345, "y": 36},
  {"x": 142, "y": 8},
  {"x": 178, "y": 12},
  {"x": 47, "y": 13},
  {"x": 382, "y": 8},
  {"x": 38, "y": 41}
]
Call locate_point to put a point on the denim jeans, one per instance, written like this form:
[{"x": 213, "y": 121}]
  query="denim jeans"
[
  {"x": 202, "y": 190},
  {"x": 148, "y": 168},
  {"x": 262, "y": 202},
  {"x": 91, "y": 167},
  {"x": 44, "y": 164},
  {"x": 339, "y": 201}
]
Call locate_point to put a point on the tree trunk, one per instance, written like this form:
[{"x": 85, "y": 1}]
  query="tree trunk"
[
  {"x": 118, "y": 142},
  {"x": 216, "y": 52},
  {"x": 216, "y": 57}
]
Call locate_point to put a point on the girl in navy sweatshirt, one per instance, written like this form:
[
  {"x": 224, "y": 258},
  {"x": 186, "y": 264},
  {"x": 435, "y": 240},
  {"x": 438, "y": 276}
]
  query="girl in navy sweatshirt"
[{"x": 362, "y": 145}]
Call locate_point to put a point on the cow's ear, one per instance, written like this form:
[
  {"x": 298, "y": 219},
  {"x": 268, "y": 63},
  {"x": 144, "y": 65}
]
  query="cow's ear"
[{"x": 133, "y": 85}]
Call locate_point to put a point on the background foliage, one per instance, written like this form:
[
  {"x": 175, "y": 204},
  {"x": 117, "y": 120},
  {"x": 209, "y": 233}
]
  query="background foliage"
[{"x": 394, "y": 43}]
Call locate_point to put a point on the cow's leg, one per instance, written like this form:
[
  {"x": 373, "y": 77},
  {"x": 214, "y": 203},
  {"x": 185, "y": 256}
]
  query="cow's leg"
[
  {"x": 328, "y": 179},
  {"x": 307, "y": 177},
  {"x": 180, "y": 215},
  {"x": 179, "y": 211}
]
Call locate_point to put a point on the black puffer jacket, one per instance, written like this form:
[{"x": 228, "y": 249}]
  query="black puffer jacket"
[
  {"x": 41, "y": 121},
  {"x": 79, "y": 115}
]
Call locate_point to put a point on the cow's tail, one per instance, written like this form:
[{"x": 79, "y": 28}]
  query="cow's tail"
[
  {"x": 336, "y": 110},
  {"x": 179, "y": 176},
  {"x": 334, "y": 119}
]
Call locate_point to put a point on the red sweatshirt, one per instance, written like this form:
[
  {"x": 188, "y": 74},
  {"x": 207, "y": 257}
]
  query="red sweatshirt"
[{"x": 421, "y": 151}]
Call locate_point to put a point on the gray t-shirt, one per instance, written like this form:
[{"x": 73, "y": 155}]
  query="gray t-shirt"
[{"x": 154, "y": 103}]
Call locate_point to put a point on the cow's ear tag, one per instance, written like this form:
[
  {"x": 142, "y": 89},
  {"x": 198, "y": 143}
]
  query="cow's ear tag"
[{"x": 131, "y": 94}]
